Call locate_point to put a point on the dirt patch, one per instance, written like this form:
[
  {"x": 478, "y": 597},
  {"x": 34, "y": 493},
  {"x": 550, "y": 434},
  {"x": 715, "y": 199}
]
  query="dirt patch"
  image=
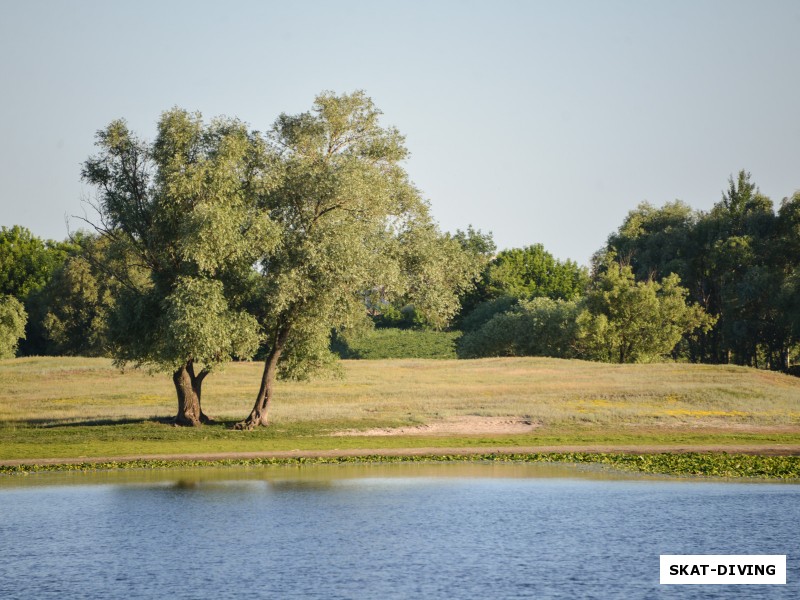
[{"x": 453, "y": 426}]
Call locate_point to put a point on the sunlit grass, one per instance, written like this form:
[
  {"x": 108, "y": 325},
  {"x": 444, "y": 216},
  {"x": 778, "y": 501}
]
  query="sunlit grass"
[{"x": 87, "y": 407}]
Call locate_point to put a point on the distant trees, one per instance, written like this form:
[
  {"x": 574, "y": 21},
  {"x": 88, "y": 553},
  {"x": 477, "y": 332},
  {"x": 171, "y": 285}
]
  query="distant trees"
[
  {"x": 512, "y": 276},
  {"x": 625, "y": 321},
  {"x": 12, "y": 325},
  {"x": 618, "y": 320},
  {"x": 27, "y": 264},
  {"x": 532, "y": 272},
  {"x": 739, "y": 261},
  {"x": 78, "y": 298}
]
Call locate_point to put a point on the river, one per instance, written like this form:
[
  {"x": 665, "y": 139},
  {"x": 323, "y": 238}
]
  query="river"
[{"x": 391, "y": 531}]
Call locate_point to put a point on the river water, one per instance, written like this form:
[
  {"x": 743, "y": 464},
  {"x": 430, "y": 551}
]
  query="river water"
[{"x": 391, "y": 531}]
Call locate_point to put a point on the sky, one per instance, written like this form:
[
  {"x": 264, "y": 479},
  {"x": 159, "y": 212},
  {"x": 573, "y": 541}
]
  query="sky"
[{"x": 542, "y": 122}]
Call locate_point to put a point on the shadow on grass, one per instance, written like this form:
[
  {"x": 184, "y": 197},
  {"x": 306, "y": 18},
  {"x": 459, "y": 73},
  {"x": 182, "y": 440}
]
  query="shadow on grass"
[{"x": 55, "y": 423}]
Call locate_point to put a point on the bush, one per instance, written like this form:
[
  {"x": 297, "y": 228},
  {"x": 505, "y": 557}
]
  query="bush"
[
  {"x": 483, "y": 312},
  {"x": 538, "y": 327},
  {"x": 398, "y": 343}
]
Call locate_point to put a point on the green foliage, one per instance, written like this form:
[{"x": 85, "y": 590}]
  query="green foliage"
[
  {"x": 398, "y": 343},
  {"x": 26, "y": 265},
  {"x": 77, "y": 299},
  {"x": 654, "y": 241},
  {"x": 198, "y": 322},
  {"x": 182, "y": 210},
  {"x": 27, "y": 262},
  {"x": 476, "y": 242},
  {"x": 532, "y": 271},
  {"x": 537, "y": 327},
  {"x": 12, "y": 325},
  {"x": 628, "y": 321},
  {"x": 685, "y": 464},
  {"x": 350, "y": 222},
  {"x": 483, "y": 312},
  {"x": 739, "y": 261}
]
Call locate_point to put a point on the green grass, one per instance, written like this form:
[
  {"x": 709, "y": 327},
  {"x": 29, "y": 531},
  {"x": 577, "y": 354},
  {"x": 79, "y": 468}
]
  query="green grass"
[
  {"x": 78, "y": 407},
  {"x": 151, "y": 438}
]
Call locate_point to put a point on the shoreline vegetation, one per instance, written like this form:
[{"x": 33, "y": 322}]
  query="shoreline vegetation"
[
  {"x": 78, "y": 414},
  {"x": 681, "y": 464}
]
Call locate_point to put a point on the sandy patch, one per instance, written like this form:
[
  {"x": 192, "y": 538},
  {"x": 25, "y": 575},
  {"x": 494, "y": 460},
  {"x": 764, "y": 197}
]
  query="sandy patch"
[{"x": 454, "y": 425}]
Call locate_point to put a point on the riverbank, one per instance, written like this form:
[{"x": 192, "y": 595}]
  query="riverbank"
[
  {"x": 706, "y": 463},
  {"x": 84, "y": 413}
]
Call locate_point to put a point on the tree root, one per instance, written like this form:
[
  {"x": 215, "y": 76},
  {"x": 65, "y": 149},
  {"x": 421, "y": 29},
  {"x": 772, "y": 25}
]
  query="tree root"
[{"x": 250, "y": 423}]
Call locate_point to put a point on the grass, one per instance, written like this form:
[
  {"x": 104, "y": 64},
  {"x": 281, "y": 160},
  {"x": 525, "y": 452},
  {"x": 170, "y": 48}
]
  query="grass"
[{"x": 78, "y": 407}]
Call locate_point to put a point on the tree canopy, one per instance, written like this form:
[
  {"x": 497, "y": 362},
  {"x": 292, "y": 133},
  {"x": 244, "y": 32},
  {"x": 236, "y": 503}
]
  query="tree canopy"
[
  {"x": 353, "y": 230},
  {"x": 628, "y": 321},
  {"x": 532, "y": 271},
  {"x": 12, "y": 325},
  {"x": 180, "y": 214},
  {"x": 739, "y": 261}
]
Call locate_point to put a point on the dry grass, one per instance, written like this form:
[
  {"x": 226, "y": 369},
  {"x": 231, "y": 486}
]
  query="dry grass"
[{"x": 545, "y": 391}]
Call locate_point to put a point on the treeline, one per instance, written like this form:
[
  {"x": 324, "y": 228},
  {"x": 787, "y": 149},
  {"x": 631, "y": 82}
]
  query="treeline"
[{"x": 721, "y": 286}]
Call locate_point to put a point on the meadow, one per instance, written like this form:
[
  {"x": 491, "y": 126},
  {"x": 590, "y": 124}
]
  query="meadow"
[{"x": 83, "y": 408}]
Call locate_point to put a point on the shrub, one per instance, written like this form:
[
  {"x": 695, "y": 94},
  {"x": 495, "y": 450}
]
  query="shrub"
[
  {"x": 538, "y": 327},
  {"x": 398, "y": 343}
]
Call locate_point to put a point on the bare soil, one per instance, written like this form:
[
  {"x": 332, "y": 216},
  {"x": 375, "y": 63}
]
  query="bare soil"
[
  {"x": 454, "y": 426},
  {"x": 466, "y": 425}
]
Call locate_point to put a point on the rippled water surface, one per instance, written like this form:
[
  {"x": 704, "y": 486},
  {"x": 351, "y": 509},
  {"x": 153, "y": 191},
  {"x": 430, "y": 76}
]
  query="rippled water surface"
[{"x": 394, "y": 531}]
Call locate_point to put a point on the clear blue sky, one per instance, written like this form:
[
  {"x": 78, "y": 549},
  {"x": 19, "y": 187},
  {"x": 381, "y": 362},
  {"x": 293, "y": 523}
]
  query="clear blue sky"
[{"x": 540, "y": 121}]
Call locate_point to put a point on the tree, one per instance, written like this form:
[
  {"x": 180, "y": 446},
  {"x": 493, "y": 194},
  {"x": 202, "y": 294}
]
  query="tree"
[
  {"x": 26, "y": 262},
  {"x": 480, "y": 247},
  {"x": 78, "y": 298},
  {"x": 532, "y": 271},
  {"x": 12, "y": 325},
  {"x": 737, "y": 262},
  {"x": 180, "y": 215},
  {"x": 352, "y": 227},
  {"x": 26, "y": 265},
  {"x": 786, "y": 302},
  {"x": 628, "y": 321},
  {"x": 654, "y": 241}
]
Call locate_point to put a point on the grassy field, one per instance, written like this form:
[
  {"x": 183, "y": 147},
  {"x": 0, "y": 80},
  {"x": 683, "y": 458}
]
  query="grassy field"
[{"x": 78, "y": 407}]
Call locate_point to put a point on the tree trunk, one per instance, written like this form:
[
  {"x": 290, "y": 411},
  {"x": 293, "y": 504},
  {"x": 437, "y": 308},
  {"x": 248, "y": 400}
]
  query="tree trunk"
[
  {"x": 188, "y": 387},
  {"x": 784, "y": 359},
  {"x": 259, "y": 414}
]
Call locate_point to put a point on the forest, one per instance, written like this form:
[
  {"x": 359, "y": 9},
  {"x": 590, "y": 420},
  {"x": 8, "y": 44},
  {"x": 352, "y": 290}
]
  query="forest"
[{"x": 215, "y": 243}]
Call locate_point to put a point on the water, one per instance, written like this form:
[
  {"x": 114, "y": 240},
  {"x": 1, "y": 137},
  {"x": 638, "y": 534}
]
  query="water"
[{"x": 395, "y": 531}]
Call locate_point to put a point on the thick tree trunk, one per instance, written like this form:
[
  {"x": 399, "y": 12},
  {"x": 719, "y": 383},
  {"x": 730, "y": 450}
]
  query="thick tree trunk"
[
  {"x": 259, "y": 415},
  {"x": 188, "y": 386}
]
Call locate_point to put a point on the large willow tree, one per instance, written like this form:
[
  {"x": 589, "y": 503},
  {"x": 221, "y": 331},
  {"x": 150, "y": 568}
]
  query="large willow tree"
[
  {"x": 353, "y": 229},
  {"x": 181, "y": 214}
]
